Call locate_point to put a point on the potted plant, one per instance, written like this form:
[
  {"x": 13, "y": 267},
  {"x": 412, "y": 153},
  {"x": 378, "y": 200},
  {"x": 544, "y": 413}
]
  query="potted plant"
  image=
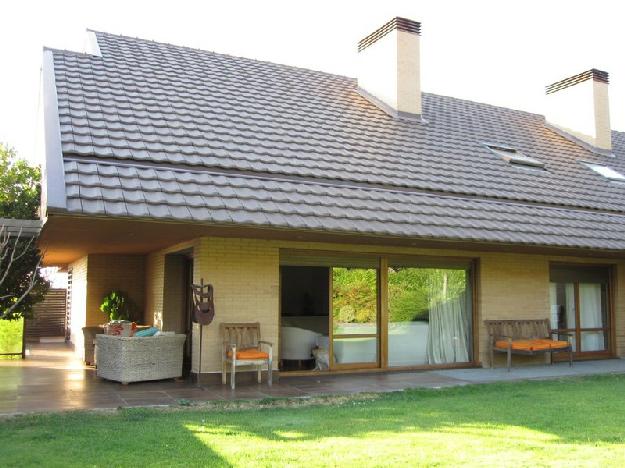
[{"x": 117, "y": 307}]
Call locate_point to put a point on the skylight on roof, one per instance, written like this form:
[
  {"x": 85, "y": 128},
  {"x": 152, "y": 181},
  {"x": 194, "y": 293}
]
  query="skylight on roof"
[
  {"x": 606, "y": 172},
  {"x": 515, "y": 157}
]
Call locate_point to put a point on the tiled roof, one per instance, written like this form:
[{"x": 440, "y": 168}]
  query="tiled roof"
[{"x": 158, "y": 131}]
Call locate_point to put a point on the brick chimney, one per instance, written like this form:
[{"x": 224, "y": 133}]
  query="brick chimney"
[
  {"x": 389, "y": 67},
  {"x": 579, "y": 106}
]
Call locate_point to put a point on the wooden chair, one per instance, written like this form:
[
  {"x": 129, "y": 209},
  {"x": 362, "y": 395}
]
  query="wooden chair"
[
  {"x": 526, "y": 337},
  {"x": 242, "y": 346}
]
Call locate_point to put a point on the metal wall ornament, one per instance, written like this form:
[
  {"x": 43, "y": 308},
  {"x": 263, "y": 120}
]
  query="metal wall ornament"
[{"x": 203, "y": 303}]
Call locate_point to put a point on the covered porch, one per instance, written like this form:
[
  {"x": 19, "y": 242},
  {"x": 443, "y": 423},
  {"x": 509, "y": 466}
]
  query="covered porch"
[{"x": 289, "y": 283}]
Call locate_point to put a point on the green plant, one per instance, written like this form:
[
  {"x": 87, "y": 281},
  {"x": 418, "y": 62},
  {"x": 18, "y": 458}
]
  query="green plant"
[{"x": 115, "y": 306}]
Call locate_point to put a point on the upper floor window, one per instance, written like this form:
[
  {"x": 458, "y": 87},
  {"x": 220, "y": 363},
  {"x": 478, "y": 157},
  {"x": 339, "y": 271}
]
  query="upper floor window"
[
  {"x": 515, "y": 157},
  {"x": 606, "y": 171}
]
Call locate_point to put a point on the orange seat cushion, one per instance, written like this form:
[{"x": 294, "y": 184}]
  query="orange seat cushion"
[
  {"x": 542, "y": 344},
  {"x": 250, "y": 353}
]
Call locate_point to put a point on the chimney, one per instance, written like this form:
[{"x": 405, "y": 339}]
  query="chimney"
[
  {"x": 389, "y": 68},
  {"x": 579, "y": 106}
]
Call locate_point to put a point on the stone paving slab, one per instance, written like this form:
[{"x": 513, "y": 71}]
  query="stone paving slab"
[{"x": 52, "y": 379}]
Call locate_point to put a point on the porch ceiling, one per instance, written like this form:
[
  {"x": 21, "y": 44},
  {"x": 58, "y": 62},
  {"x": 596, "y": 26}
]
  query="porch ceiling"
[{"x": 65, "y": 239}]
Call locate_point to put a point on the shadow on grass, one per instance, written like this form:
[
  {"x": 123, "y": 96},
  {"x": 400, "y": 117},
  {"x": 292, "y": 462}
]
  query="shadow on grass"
[{"x": 570, "y": 410}]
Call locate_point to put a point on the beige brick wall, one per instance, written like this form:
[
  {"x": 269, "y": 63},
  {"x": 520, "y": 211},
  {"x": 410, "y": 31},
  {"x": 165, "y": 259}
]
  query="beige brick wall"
[
  {"x": 511, "y": 286},
  {"x": 154, "y": 287},
  {"x": 78, "y": 312},
  {"x": 245, "y": 274},
  {"x": 123, "y": 273}
]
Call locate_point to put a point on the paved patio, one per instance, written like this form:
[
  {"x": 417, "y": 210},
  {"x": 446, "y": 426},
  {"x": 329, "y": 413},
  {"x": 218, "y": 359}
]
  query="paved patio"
[{"x": 52, "y": 379}]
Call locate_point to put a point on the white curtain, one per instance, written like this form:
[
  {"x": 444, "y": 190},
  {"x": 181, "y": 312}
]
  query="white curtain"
[
  {"x": 590, "y": 316},
  {"x": 553, "y": 300},
  {"x": 569, "y": 308},
  {"x": 448, "y": 332}
]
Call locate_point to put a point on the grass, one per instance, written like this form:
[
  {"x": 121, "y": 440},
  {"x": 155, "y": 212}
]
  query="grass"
[
  {"x": 11, "y": 337},
  {"x": 568, "y": 422}
]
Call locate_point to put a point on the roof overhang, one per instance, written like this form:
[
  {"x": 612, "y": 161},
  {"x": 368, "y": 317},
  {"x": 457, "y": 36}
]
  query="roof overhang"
[{"x": 66, "y": 238}]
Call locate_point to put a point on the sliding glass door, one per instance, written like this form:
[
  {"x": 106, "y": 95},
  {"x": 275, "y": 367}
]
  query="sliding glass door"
[
  {"x": 580, "y": 306},
  {"x": 355, "y": 322},
  {"x": 363, "y": 311},
  {"x": 429, "y": 315}
]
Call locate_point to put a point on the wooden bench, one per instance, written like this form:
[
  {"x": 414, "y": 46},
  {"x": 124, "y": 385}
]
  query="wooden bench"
[{"x": 525, "y": 337}]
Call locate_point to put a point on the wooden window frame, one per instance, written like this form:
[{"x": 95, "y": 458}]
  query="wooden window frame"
[
  {"x": 381, "y": 365},
  {"x": 609, "y": 352}
]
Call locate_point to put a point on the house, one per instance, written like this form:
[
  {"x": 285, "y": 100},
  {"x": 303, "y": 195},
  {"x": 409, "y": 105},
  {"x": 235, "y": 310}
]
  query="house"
[{"x": 378, "y": 222}]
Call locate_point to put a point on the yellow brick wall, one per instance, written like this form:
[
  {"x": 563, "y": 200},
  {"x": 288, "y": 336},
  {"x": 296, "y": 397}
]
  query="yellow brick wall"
[
  {"x": 245, "y": 274},
  {"x": 105, "y": 273},
  {"x": 511, "y": 286},
  {"x": 154, "y": 287},
  {"x": 94, "y": 276},
  {"x": 78, "y": 312}
]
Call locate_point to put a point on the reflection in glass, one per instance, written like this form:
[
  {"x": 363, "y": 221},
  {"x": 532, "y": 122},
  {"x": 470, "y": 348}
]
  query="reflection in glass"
[
  {"x": 429, "y": 316},
  {"x": 354, "y": 312}
]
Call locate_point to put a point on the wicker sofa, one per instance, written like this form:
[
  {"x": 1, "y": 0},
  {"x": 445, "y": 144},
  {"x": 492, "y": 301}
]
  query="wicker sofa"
[{"x": 135, "y": 359}]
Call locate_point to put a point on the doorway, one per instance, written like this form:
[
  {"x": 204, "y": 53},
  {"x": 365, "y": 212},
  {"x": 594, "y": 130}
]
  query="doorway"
[
  {"x": 177, "y": 300},
  {"x": 581, "y": 307}
]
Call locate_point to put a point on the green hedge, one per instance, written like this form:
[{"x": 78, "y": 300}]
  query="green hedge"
[{"x": 11, "y": 336}]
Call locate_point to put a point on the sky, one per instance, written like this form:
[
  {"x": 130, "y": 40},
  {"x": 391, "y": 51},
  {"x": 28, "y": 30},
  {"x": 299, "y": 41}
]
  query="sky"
[{"x": 498, "y": 52}]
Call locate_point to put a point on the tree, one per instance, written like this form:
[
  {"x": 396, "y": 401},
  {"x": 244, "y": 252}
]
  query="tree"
[
  {"x": 20, "y": 188},
  {"x": 21, "y": 283}
]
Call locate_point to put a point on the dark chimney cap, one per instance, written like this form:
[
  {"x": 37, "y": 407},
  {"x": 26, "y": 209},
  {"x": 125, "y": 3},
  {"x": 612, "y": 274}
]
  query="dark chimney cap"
[
  {"x": 593, "y": 73},
  {"x": 401, "y": 24}
]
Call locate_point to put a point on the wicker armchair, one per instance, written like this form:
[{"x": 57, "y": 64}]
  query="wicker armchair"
[
  {"x": 135, "y": 359},
  {"x": 242, "y": 346}
]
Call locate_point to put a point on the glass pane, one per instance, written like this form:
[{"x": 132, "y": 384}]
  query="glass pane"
[
  {"x": 355, "y": 350},
  {"x": 594, "y": 340},
  {"x": 591, "y": 306},
  {"x": 593, "y": 314},
  {"x": 563, "y": 309},
  {"x": 562, "y": 305},
  {"x": 354, "y": 301},
  {"x": 429, "y": 316}
]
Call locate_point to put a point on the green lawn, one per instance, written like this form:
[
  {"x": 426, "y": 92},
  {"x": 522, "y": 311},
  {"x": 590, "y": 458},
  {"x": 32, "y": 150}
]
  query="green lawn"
[{"x": 571, "y": 422}]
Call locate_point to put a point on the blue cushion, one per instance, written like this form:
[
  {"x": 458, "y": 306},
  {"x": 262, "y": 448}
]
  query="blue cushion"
[{"x": 147, "y": 332}]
